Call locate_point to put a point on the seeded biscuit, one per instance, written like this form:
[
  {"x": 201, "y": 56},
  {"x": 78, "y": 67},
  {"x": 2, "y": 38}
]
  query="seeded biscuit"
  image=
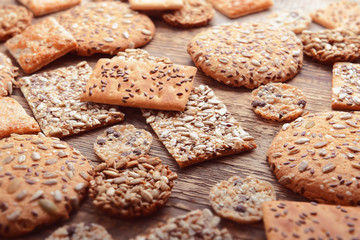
[
  {"x": 54, "y": 98},
  {"x": 247, "y": 54},
  {"x": 302, "y": 220},
  {"x": 294, "y": 20},
  {"x": 43, "y": 179},
  {"x": 13, "y": 20},
  {"x": 107, "y": 27},
  {"x": 7, "y": 75},
  {"x": 318, "y": 156},
  {"x": 156, "y": 4},
  {"x": 278, "y": 102},
  {"x": 43, "y": 7}
]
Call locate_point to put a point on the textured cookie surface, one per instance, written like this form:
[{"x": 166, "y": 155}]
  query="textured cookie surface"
[
  {"x": 7, "y": 75},
  {"x": 40, "y": 44},
  {"x": 331, "y": 46},
  {"x": 42, "y": 7},
  {"x": 131, "y": 189},
  {"x": 240, "y": 199},
  {"x": 197, "y": 224},
  {"x": 107, "y": 27},
  {"x": 13, "y": 20},
  {"x": 278, "y": 101},
  {"x": 156, "y": 4},
  {"x": 203, "y": 131},
  {"x": 42, "y": 180},
  {"x": 54, "y": 98},
  {"x": 238, "y": 8},
  {"x": 302, "y": 220},
  {"x": 294, "y": 20},
  {"x": 247, "y": 54},
  {"x": 318, "y": 156}
]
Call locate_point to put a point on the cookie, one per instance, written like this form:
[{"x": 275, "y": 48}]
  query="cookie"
[
  {"x": 238, "y": 8},
  {"x": 330, "y": 46},
  {"x": 122, "y": 141},
  {"x": 131, "y": 189},
  {"x": 197, "y": 224},
  {"x": 294, "y": 20},
  {"x": 13, "y": 20},
  {"x": 205, "y": 130},
  {"x": 107, "y": 27},
  {"x": 7, "y": 75},
  {"x": 240, "y": 199},
  {"x": 156, "y": 4},
  {"x": 43, "y": 7},
  {"x": 54, "y": 98},
  {"x": 247, "y": 54},
  {"x": 80, "y": 231},
  {"x": 278, "y": 102},
  {"x": 345, "y": 86},
  {"x": 40, "y": 44},
  {"x": 194, "y": 13},
  {"x": 302, "y": 220},
  {"x": 318, "y": 156},
  {"x": 42, "y": 180}
]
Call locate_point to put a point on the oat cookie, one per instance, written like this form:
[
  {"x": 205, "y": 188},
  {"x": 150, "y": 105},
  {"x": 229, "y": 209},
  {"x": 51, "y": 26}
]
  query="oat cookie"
[
  {"x": 80, "y": 231},
  {"x": 294, "y": 20},
  {"x": 247, "y": 54},
  {"x": 131, "y": 189},
  {"x": 40, "y": 44},
  {"x": 278, "y": 102},
  {"x": 107, "y": 27},
  {"x": 54, "y": 98},
  {"x": 240, "y": 199},
  {"x": 197, "y": 224},
  {"x": 238, "y": 8},
  {"x": 122, "y": 141},
  {"x": 205, "y": 130},
  {"x": 42, "y": 180},
  {"x": 7, "y": 75},
  {"x": 42, "y": 7},
  {"x": 318, "y": 156},
  {"x": 302, "y": 220},
  {"x": 156, "y": 4},
  {"x": 13, "y": 20},
  {"x": 194, "y": 13}
]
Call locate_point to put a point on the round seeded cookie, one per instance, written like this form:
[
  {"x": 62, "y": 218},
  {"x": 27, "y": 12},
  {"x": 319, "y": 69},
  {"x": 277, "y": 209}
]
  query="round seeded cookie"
[
  {"x": 42, "y": 180},
  {"x": 194, "y": 13},
  {"x": 107, "y": 27},
  {"x": 122, "y": 141},
  {"x": 294, "y": 20},
  {"x": 247, "y": 54},
  {"x": 240, "y": 199},
  {"x": 80, "y": 231},
  {"x": 132, "y": 189},
  {"x": 278, "y": 102},
  {"x": 318, "y": 156},
  {"x": 13, "y": 20}
]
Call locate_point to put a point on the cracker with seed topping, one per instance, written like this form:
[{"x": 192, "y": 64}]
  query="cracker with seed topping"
[
  {"x": 13, "y": 20},
  {"x": 7, "y": 75},
  {"x": 156, "y": 4},
  {"x": 295, "y": 20},
  {"x": 238, "y": 8},
  {"x": 43, "y": 7}
]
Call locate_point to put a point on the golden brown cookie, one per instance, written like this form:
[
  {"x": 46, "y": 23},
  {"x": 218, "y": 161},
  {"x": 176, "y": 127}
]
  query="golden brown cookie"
[
  {"x": 238, "y": 8},
  {"x": 294, "y": 20},
  {"x": 13, "y": 20},
  {"x": 156, "y": 4},
  {"x": 7, "y": 75},
  {"x": 42, "y": 7}
]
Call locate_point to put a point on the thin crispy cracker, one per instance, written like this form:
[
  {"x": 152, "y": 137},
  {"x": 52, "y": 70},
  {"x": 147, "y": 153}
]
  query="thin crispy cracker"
[
  {"x": 156, "y": 4},
  {"x": 238, "y": 8},
  {"x": 42, "y": 7},
  {"x": 7, "y": 75}
]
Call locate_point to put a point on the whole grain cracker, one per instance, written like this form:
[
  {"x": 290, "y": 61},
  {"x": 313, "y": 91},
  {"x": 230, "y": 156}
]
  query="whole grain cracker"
[
  {"x": 7, "y": 75},
  {"x": 13, "y": 20},
  {"x": 278, "y": 102},
  {"x": 43, "y": 7},
  {"x": 294, "y": 20},
  {"x": 54, "y": 98},
  {"x": 40, "y": 44},
  {"x": 205, "y": 130},
  {"x": 247, "y": 54},
  {"x": 317, "y": 156},
  {"x": 107, "y": 27},
  {"x": 156, "y": 4},
  {"x": 42, "y": 180}
]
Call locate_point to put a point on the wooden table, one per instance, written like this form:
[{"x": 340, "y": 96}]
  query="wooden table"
[{"x": 194, "y": 182}]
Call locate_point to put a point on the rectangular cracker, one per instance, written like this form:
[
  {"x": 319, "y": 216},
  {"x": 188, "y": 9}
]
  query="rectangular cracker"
[
  {"x": 54, "y": 98},
  {"x": 303, "y": 220},
  {"x": 7, "y": 75},
  {"x": 42, "y": 7},
  {"x": 40, "y": 44},
  {"x": 156, "y": 4},
  {"x": 203, "y": 131},
  {"x": 238, "y": 8},
  {"x": 138, "y": 83}
]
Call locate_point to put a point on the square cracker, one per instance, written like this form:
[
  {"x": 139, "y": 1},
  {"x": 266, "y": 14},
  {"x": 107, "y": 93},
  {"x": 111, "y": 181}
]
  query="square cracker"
[
  {"x": 203, "y": 131},
  {"x": 54, "y": 98},
  {"x": 156, "y": 4},
  {"x": 40, "y": 44},
  {"x": 139, "y": 83},
  {"x": 238, "y": 8},
  {"x": 42, "y": 7},
  {"x": 7, "y": 75},
  {"x": 14, "y": 119}
]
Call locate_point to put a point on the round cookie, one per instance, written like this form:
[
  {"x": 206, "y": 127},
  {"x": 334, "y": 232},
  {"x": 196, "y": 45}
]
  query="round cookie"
[
  {"x": 278, "y": 102},
  {"x": 240, "y": 199},
  {"x": 42, "y": 180},
  {"x": 107, "y": 27},
  {"x": 194, "y": 13},
  {"x": 247, "y": 54},
  {"x": 136, "y": 188},
  {"x": 13, "y": 20},
  {"x": 294, "y": 20},
  {"x": 122, "y": 141},
  {"x": 318, "y": 156},
  {"x": 80, "y": 231}
]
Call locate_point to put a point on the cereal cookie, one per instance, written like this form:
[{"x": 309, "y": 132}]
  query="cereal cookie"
[
  {"x": 13, "y": 20},
  {"x": 294, "y": 20}
]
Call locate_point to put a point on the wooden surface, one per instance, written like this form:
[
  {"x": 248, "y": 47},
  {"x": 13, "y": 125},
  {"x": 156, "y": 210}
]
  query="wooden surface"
[{"x": 192, "y": 188}]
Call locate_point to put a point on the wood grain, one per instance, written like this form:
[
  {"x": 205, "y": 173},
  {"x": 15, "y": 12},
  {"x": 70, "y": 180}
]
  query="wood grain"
[{"x": 192, "y": 187}]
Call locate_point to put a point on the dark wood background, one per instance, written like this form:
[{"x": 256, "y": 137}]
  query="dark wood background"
[{"x": 194, "y": 182}]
